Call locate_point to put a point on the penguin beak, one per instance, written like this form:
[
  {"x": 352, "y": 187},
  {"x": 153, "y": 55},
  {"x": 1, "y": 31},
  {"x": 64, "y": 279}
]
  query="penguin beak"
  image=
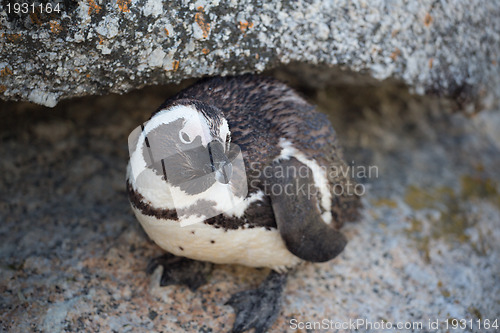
[{"x": 220, "y": 164}]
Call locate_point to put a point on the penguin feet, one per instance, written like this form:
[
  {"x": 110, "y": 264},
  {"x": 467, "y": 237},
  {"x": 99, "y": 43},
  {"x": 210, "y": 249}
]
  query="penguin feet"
[
  {"x": 179, "y": 270},
  {"x": 258, "y": 308}
]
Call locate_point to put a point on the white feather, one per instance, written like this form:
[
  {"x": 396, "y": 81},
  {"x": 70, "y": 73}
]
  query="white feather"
[
  {"x": 255, "y": 247},
  {"x": 319, "y": 176}
]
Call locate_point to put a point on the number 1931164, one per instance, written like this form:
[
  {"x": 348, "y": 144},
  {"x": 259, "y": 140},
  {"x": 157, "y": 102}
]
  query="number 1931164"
[
  {"x": 478, "y": 324},
  {"x": 28, "y": 8}
]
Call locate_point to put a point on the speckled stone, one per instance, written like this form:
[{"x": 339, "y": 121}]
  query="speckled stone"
[
  {"x": 73, "y": 256},
  {"x": 94, "y": 47}
]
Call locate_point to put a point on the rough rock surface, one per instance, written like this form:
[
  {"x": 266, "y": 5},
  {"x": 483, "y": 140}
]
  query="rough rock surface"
[
  {"x": 94, "y": 46},
  {"x": 73, "y": 257}
]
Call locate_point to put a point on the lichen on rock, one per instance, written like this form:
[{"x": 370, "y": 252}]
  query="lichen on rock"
[{"x": 96, "y": 47}]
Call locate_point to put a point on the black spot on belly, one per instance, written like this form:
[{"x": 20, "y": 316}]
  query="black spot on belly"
[
  {"x": 212, "y": 241},
  {"x": 181, "y": 248}
]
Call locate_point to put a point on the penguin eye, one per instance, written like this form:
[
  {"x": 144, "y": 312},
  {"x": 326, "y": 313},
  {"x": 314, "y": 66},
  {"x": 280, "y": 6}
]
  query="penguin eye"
[{"x": 184, "y": 137}]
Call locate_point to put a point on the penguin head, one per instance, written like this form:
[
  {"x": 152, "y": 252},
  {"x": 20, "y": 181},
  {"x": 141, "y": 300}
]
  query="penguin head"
[{"x": 186, "y": 144}]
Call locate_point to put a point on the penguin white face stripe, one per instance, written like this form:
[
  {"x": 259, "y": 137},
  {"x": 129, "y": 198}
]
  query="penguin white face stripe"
[
  {"x": 195, "y": 124},
  {"x": 139, "y": 135}
]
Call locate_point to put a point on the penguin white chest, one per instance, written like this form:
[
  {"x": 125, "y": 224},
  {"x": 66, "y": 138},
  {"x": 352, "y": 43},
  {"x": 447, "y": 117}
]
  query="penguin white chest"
[{"x": 255, "y": 247}]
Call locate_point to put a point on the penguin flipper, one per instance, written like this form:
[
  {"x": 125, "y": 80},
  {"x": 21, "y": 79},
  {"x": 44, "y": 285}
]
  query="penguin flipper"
[{"x": 297, "y": 216}]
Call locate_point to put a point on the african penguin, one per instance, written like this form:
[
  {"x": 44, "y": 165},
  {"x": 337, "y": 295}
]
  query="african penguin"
[{"x": 240, "y": 170}]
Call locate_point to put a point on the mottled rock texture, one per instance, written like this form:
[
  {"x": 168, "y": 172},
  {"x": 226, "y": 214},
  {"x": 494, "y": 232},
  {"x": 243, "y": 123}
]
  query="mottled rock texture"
[
  {"x": 95, "y": 47},
  {"x": 73, "y": 257}
]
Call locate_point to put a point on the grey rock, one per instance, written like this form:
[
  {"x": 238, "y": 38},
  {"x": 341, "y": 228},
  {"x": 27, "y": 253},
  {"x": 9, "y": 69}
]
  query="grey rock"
[{"x": 444, "y": 47}]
